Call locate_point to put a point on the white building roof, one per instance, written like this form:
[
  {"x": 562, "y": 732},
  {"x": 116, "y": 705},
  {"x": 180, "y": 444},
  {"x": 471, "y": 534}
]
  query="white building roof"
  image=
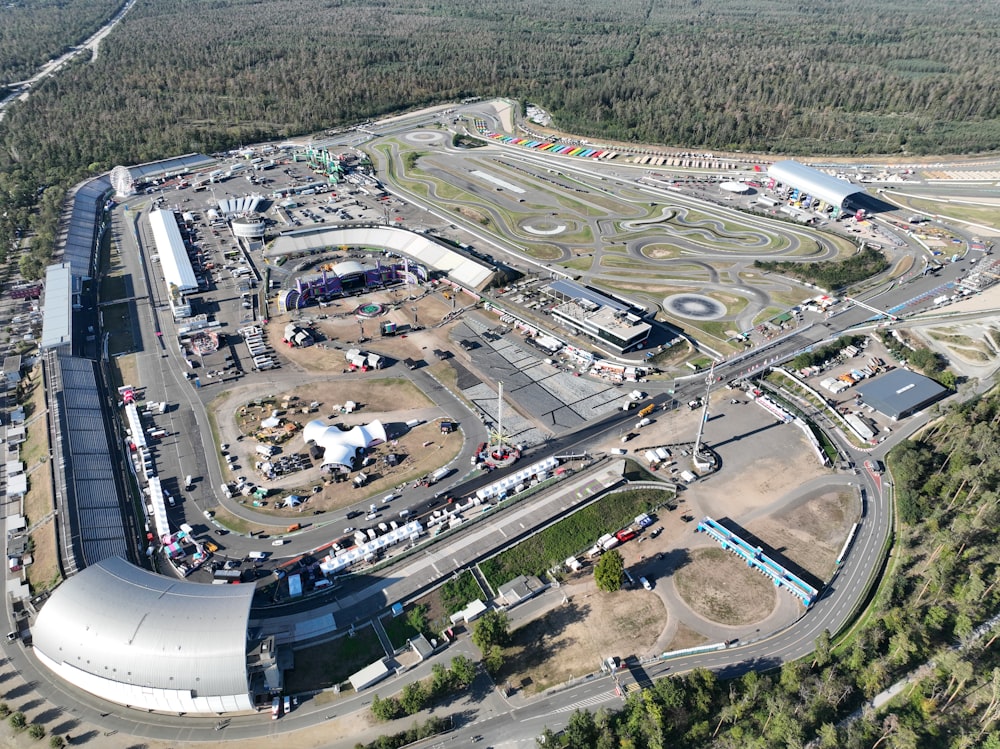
[
  {"x": 813, "y": 182},
  {"x": 57, "y": 308},
  {"x": 174, "y": 261},
  {"x": 461, "y": 269},
  {"x": 141, "y": 639}
]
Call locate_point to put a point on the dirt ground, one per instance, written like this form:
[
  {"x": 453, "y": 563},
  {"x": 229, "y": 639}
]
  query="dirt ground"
[
  {"x": 338, "y": 325},
  {"x": 723, "y": 589},
  {"x": 578, "y": 634},
  {"x": 393, "y": 401},
  {"x": 762, "y": 468},
  {"x": 810, "y": 534}
]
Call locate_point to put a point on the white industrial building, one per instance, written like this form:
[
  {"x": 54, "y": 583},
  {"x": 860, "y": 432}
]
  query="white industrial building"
[
  {"x": 148, "y": 641},
  {"x": 174, "y": 262},
  {"x": 819, "y": 185}
]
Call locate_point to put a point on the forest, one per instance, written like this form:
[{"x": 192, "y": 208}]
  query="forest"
[
  {"x": 33, "y": 31},
  {"x": 772, "y": 76},
  {"x": 940, "y": 584}
]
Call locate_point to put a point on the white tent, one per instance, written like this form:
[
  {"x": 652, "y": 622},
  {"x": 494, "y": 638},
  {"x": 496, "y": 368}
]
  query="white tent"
[{"x": 341, "y": 446}]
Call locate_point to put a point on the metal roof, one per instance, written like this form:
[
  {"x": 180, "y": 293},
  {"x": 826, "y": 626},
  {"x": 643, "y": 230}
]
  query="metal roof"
[
  {"x": 175, "y": 165},
  {"x": 813, "y": 182},
  {"x": 573, "y": 290},
  {"x": 461, "y": 269},
  {"x": 174, "y": 260},
  {"x": 85, "y": 477},
  {"x": 118, "y": 627},
  {"x": 899, "y": 393},
  {"x": 78, "y": 225},
  {"x": 57, "y": 308}
]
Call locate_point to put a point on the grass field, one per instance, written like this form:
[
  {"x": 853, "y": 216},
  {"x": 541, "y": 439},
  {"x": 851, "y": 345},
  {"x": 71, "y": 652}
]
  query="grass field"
[
  {"x": 570, "y": 536},
  {"x": 323, "y": 666}
]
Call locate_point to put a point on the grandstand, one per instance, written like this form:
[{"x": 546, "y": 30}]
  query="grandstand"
[
  {"x": 427, "y": 251},
  {"x": 755, "y": 557}
]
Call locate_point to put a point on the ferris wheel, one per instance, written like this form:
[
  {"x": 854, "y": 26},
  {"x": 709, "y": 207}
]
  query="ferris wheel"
[{"x": 121, "y": 180}]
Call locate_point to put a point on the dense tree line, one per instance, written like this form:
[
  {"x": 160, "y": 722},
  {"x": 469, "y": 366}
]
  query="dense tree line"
[
  {"x": 831, "y": 274},
  {"x": 33, "y": 31},
  {"x": 830, "y": 351},
  {"x": 940, "y": 584},
  {"x": 201, "y": 75}
]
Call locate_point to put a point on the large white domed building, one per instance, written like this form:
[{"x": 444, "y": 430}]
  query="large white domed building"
[{"x": 148, "y": 641}]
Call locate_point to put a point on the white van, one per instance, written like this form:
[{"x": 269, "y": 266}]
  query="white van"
[
  {"x": 279, "y": 542},
  {"x": 257, "y": 555}
]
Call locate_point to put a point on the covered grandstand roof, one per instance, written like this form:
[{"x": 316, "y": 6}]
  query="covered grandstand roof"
[
  {"x": 813, "y": 182},
  {"x": 899, "y": 393},
  {"x": 174, "y": 260},
  {"x": 460, "y": 268},
  {"x": 176, "y": 165},
  {"x": 573, "y": 290},
  {"x": 341, "y": 446},
  {"x": 57, "y": 309},
  {"x": 78, "y": 225},
  {"x": 148, "y": 641},
  {"x": 84, "y": 477}
]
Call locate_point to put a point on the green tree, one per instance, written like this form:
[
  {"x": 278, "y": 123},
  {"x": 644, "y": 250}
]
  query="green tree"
[
  {"x": 385, "y": 709},
  {"x": 416, "y": 617},
  {"x": 493, "y": 659},
  {"x": 17, "y": 721},
  {"x": 581, "y": 729},
  {"x": 441, "y": 679},
  {"x": 492, "y": 628},
  {"x": 4, "y": 709},
  {"x": 610, "y": 571},
  {"x": 413, "y": 698},
  {"x": 821, "y": 656},
  {"x": 36, "y": 731},
  {"x": 56, "y": 742},
  {"x": 463, "y": 670}
]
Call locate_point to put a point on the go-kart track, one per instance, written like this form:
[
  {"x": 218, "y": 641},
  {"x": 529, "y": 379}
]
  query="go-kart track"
[{"x": 642, "y": 238}]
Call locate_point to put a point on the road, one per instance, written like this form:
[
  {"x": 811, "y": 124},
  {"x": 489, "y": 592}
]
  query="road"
[
  {"x": 22, "y": 90},
  {"x": 159, "y": 372}
]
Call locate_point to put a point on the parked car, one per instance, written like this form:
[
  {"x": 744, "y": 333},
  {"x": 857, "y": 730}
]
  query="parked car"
[{"x": 645, "y": 583}]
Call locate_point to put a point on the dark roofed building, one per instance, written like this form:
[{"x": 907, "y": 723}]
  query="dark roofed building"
[{"x": 899, "y": 393}]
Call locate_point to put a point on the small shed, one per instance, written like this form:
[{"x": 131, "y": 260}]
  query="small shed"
[
  {"x": 521, "y": 588},
  {"x": 369, "y": 675}
]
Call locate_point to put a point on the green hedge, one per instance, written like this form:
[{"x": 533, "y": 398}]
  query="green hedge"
[{"x": 571, "y": 536}]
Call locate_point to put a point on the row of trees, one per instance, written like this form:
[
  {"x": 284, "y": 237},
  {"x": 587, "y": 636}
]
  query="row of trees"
[
  {"x": 419, "y": 694},
  {"x": 826, "y": 353},
  {"x": 919, "y": 357}
]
